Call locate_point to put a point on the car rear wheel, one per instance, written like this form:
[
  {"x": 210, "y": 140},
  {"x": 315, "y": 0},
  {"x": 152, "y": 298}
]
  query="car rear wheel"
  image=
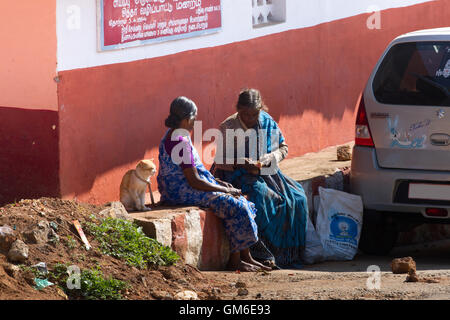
[{"x": 379, "y": 233}]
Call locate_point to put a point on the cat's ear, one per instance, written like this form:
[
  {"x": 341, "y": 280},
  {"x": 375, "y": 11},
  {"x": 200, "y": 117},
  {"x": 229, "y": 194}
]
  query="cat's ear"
[{"x": 140, "y": 164}]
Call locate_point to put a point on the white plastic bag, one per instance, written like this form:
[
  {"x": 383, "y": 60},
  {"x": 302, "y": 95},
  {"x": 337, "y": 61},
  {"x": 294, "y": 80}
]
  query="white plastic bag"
[
  {"x": 339, "y": 223},
  {"x": 313, "y": 252}
]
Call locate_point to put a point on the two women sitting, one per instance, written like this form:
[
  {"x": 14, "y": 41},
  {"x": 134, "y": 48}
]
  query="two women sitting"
[{"x": 267, "y": 226}]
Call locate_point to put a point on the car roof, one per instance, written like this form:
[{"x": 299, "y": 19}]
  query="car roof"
[{"x": 438, "y": 34}]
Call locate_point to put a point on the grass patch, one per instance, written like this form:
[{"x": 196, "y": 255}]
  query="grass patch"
[
  {"x": 93, "y": 285},
  {"x": 71, "y": 243},
  {"x": 126, "y": 240}
]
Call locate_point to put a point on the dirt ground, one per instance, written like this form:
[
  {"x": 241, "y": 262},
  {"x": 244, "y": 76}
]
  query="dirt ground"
[
  {"x": 151, "y": 284},
  {"x": 350, "y": 280},
  {"x": 330, "y": 280}
]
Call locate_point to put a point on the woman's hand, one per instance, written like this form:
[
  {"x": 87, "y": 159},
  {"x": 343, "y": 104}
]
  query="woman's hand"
[
  {"x": 234, "y": 191},
  {"x": 224, "y": 184},
  {"x": 198, "y": 183},
  {"x": 252, "y": 167}
]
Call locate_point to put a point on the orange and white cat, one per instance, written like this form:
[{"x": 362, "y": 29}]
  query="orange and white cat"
[{"x": 134, "y": 185}]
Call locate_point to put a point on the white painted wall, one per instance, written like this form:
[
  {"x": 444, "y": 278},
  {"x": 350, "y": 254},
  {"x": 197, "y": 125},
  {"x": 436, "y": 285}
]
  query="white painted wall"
[{"x": 77, "y": 28}]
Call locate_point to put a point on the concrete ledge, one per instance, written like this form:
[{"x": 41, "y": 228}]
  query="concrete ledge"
[{"x": 198, "y": 236}]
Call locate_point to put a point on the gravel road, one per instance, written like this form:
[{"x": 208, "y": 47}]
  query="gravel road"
[{"x": 350, "y": 280}]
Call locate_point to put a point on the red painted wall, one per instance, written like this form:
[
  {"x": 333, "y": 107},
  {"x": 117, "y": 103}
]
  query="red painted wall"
[
  {"x": 113, "y": 116},
  {"x": 29, "y": 154}
]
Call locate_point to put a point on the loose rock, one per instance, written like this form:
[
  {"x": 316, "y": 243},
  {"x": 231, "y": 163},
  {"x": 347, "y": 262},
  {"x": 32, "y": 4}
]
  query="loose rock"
[
  {"x": 242, "y": 292},
  {"x": 344, "y": 153},
  {"x": 18, "y": 252},
  {"x": 403, "y": 265},
  {"x": 144, "y": 281},
  {"x": 38, "y": 234},
  {"x": 213, "y": 293},
  {"x": 412, "y": 276},
  {"x": 7, "y": 237},
  {"x": 116, "y": 210},
  {"x": 161, "y": 295},
  {"x": 186, "y": 295},
  {"x": 11, "y": 270}
]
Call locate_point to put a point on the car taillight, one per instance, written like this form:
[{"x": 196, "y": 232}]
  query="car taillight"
[
  {"x": 363, "y": 137},
  {"x": 436, "y": 212}
]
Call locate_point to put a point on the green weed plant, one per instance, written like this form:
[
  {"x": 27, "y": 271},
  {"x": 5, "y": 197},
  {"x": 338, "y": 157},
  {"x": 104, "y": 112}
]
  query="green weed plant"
[
  {"x": 125, "y": 240},
  {"x": 94, "y": 285}
]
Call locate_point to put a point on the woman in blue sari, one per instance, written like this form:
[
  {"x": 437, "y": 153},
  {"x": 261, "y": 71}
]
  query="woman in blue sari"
[
  {"x": 183, "y": 180},
  {"x": 253, "y": 146}
]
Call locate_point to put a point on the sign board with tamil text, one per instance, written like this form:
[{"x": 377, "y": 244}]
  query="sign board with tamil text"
[{"x": 130, "y": 23}]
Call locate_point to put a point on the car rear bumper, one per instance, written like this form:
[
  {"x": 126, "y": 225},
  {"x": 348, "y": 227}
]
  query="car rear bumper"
[{"x": 379, "y": 187}]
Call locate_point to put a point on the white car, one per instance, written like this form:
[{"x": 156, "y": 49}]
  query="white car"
[{"x": 401, "y": 158}]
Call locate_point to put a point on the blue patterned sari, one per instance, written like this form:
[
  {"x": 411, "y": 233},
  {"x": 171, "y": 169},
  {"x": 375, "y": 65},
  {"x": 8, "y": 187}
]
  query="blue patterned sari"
[
  {"x": 237, "y": 213},
  {"x": 280, "y": 201}
]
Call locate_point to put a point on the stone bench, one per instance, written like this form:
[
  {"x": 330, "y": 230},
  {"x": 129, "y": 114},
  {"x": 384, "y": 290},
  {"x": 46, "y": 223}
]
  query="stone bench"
[{"x": 198, "y": 236}]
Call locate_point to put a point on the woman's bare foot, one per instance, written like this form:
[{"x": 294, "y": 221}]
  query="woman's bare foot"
[
  {"x": 237, "y": 263},
  {"x": 259, "y": 265},
  {"x": 247, "y": 257},
  {"x": 242, "y": 266}
]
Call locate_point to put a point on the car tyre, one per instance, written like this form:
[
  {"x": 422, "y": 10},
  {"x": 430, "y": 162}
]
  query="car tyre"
[{"x": 379, "y": 233}]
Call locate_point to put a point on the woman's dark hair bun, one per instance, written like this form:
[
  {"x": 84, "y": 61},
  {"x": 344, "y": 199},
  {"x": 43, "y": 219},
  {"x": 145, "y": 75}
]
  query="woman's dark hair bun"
[
  {"x": 171, "y": 122},
  {"x": 181, "y": 108}
]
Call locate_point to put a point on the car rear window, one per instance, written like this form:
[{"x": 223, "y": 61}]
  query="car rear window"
[{"x": 415, "y": 73}]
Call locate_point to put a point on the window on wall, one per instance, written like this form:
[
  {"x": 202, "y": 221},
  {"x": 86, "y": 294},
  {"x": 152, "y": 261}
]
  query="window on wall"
[{"x": 268, "y": 12}]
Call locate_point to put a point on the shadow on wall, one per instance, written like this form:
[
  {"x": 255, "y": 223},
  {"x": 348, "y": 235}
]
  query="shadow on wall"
[
  {"x": 101, "y": 138},
  {"x": 112, "y": 116},
  {"x": 28, "y": 154}
]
